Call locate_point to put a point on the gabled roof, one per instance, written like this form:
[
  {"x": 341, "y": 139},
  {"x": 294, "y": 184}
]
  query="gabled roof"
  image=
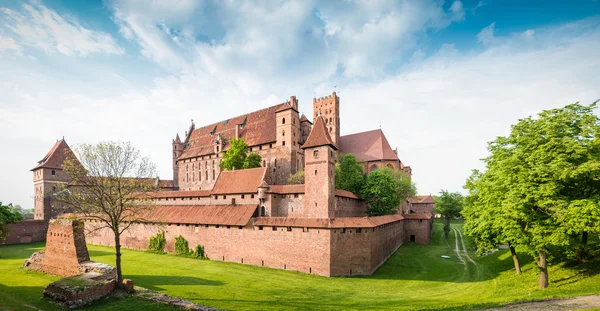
[
  {"x": 368, "y": 146},
  {"x": 258, "y": 128},
  {"x": 56, "y": 156},
  {"x": 319, "y": 136},
  {"x": 340, "y": 222},
  {"x": 239, "y": 181},
  {"x": 293, "y": 189},
  {"x": 422, "y": 199}
]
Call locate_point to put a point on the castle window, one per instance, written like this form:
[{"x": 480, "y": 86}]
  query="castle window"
[
  {"x": 213, "y": 174},
  {"x": 283, "y": 143},
  {"x": 331, "y": 120},
  {"x": 283, "y": 121},
  {"x": 260, "y": 227},
  {"x": 315, "y": 172},
  {"x": 326, "y": 121},
  {"x": 242, "y": 196},
  {"x": 343, "y": 230},
  {"x": 330, "y": 130},
  {"x": 274, "y": 228},
  {"x": 296, "y": 195},
  {"x": 217, "y": 148},
  {"x": 283, "y": 133},
  {"x": 316, "y": 154},
  {"x": 264, "y": 163},
  {"x": 252, "y": 196},
  {"x": 270, "y": 145},
  {"x": 294, "y": 120},
  {"x": 53, "y": 172},
  {"x": 187, "y": 167},
  {"x": 358, "y": 230},
  {"x": 216, "y": 197},
  {"x": 260, "y": 147},
  {"x": 289, "y": 229},
  {"x": 224, "y": 197}
]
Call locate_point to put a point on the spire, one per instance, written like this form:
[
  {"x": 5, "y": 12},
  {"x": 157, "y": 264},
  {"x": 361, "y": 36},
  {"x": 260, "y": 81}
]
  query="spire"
[
  {"x": 177, "y": 139},
  {"x": 319, "y": 136}
]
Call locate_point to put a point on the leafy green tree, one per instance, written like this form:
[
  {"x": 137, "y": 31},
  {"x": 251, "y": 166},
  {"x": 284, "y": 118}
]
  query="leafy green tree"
[
  {"x": 543, "y": 181},
  {"x": 17, "y": 208},
  {"x": 237, "y": 156},
  {"x": 405, "y": 188},
  {"x": 8, "y": 215},
  {"x": 296, "y": 178},
  {"x": 252, "y": 160},
  {"x": 349, "y": 174},
  {"x": 380, "y": 194},
  {"x": 448, "y": 204}
]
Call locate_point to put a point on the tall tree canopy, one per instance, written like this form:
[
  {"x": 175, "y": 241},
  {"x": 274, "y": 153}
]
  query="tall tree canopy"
[
  {"x": 109, "y": 182},
  {"x": 8, "y": 215},
  {"x": 405, "y": 188},
  {"x": 237, "y": 156},
  {"x": 349, "y": 174},
  {"x": 379, "y": 193},
  {"x": 542, "y": 183},
  {"x": 448, "y": 204}
]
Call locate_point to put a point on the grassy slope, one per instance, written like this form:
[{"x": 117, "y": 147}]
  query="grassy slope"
[{"x": 415, "y": 277}]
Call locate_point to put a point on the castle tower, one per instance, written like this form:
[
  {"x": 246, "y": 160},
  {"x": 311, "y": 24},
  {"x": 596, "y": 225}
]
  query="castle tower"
[
  {"x": 288, "y": 146},
  {"x": 305, "y": 127},
  {"x": 177, "y": 151},
  {"x": 329, "y": 106},
  {"x": 319, "y": 173},
  {"x": 48, "y": 176}
]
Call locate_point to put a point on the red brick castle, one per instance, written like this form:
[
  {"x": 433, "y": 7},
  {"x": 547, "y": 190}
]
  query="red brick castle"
[{"x": 253, "y": 216}]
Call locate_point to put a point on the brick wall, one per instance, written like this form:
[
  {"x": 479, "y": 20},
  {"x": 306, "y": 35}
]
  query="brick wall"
[
  {"x": 65, "y": 247},
  {"x": 348, "y": 207},
  {"x": 26, "y": 231},
  {"x": 422, "y": 229}
]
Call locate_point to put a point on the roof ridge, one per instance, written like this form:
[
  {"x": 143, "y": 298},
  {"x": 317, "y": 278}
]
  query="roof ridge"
[
  {"x": 319, "y": 136},
  {"x": 238, "y": 116}
]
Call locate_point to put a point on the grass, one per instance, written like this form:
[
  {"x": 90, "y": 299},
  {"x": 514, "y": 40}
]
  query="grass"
[{"x": 415, "y": 277}]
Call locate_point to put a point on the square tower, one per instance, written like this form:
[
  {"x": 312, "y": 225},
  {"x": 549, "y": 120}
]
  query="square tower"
[
  {"x": 329, "y": 107},
  {"x": 319, "y": 172},
  {"x": 287, "y": 142}
]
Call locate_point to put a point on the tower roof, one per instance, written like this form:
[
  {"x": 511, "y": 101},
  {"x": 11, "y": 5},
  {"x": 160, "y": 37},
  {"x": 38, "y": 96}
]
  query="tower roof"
[
  {"x": 56, "y": 156},
  {"x": 319, "y": 136},
  {"x": 303, "y": 118}
]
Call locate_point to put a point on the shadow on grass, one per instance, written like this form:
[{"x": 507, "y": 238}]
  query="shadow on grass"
[
  {"x": 23, "y": 251},
  {"x": 154, "y": 282}
]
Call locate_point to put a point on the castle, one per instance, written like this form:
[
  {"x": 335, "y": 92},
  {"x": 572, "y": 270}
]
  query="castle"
[{"x": 253, "y": 216}]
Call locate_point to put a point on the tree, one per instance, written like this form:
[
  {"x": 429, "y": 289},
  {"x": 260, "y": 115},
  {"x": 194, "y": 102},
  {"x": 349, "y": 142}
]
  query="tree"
[
  {"x": 543, "y": 182},
  {"x": 108, "y": 184},
  {"x": 17, "y": 208},
  {"x": 252, "y": 160},
  {"x": 380, "y": 194},
  {"x": 296, "y": 178},
  {"x": 8, "y": 215},
  {"x": 448, "y": 204},
  {"x": 405, "y": 188},
  {"x": 348, "y": 174},
  {"x": 236, "y": 157}
]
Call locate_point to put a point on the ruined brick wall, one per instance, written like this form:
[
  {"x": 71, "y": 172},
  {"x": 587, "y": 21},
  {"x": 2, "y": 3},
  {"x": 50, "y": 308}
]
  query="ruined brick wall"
[
  {"x": 299, "y": 249},
  {"x": 65, "y": 247},
  {"x": 421, "y": 229},
  {"x": 26, "y": 231},
  {"x": 348, "y": 207},
  {"x": 361, "y": 251}
]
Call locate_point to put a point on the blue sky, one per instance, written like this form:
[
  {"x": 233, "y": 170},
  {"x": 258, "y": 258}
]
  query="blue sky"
[{"x": 442, "y": 78}]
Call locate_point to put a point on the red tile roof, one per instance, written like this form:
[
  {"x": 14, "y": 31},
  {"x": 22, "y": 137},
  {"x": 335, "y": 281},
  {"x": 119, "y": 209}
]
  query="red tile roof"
[
  {"x": 239, "y": 181},
  {"x": 368, "y": 146},
  {"x": 319, "y": 136},
  {"x": 342, "y": 222},
  {"x": 286, "y": 189},
  {"x": 56, "y": 156},
  {"x": 259, "y": 128},
  {"x": 178, "y": 194},
  {"x": 303, "y": 118},
  {"x": 417, "y": 216},
  {"x": 234, "y": 215},
  {"x": 292, "y": 189},
  {"x": 422, "y": 199}
]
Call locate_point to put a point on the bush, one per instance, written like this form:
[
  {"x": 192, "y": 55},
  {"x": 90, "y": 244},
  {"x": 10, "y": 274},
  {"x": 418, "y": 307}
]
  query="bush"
[
  {"x": 297, "y": 178},
  {"x": 198, "y": 252},
  {"x": 181, "y": 246},
  {"x": 157, "y": 243}
]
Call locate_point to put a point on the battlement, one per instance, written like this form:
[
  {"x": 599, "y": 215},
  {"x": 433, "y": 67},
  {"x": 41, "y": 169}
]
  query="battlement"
[{"x": 325, "y": 98}]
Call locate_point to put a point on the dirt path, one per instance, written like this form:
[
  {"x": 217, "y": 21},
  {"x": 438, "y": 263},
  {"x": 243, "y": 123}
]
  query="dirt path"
[{"x": 578, "y": 303}]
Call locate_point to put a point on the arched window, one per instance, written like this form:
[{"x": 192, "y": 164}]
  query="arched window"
[
  {"x": 326, "y": 121},
  {"x": 283, "y": 121},
  {"x": 331, "y": 120},
  {"x": 263, "y": 211}
]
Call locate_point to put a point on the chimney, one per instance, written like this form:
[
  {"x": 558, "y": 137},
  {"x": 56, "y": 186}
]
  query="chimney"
[
  {"x": 237, "y": 131},
  {"x": 294, "y": 102}
]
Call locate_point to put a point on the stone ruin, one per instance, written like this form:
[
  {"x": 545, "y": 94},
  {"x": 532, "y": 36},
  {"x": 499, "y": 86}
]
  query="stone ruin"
[{"x": 66, "y": 255}]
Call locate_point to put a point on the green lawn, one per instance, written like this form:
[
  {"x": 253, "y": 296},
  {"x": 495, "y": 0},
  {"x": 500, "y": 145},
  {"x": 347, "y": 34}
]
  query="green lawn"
[{"x": 415, "y": 277}]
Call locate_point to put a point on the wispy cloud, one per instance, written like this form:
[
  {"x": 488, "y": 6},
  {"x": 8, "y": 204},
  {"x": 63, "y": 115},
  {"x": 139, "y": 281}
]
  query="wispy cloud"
[{"x": 37, "y": 26}]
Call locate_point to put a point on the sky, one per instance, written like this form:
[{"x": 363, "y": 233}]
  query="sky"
[{"x": 441, "y": 78}]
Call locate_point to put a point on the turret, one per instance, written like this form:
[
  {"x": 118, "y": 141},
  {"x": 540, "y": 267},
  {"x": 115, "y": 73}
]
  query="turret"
[
  {"x": 319, "y": 172},
  {"x": 177, "y": 151},
  {"x": 329, "y": 107}
]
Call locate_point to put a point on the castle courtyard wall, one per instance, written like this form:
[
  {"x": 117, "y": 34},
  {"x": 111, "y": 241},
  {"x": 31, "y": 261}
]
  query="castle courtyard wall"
[
  {"x": 26, "y": 231},
  {"x": 422, "y": 229}
]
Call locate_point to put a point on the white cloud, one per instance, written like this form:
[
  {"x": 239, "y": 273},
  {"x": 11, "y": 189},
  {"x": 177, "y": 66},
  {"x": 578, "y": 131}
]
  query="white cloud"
[
  {"x": 457, "y": 10},
  {"x": 486, "y": 35},
  {"x": 9, "y": 44},
  {"x": 37, "y": 26}
]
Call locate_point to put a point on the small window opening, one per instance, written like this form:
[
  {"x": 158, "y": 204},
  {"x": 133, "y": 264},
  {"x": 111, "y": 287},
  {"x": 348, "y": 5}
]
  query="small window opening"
[
  {"x": 260, "y": 227},
  {"x": 53, "y": 172},
  {"x": 289, "y": 229},
  {"x": 283, "y": 121},
  {"x": 274, "y": 228}
]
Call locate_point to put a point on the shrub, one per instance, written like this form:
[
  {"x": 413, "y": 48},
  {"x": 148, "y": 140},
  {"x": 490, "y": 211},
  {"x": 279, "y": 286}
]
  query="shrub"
[
  {"x": 297, "y": 178},
  {"x": 198, "y": 252},
  {"x": 181, "y": 246},
  {"x": 157, "y": 243}
]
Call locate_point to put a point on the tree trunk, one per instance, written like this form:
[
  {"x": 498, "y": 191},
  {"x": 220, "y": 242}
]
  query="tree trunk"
[
  {"x": 515, "y": 258},
  {"x": 446, "y": 227},
  {"x": 543, "y": 265},
  {"x": 581, "y": 251},
  {"x": 118, "y": 260}
]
